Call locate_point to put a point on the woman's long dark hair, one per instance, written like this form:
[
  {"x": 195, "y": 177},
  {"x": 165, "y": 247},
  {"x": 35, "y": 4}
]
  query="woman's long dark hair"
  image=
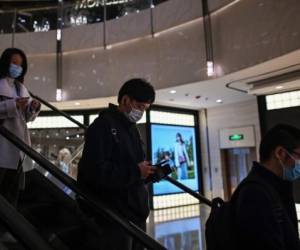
[
  {"x": 180, "y": 138},
  {"x": 5, "y": 63}
]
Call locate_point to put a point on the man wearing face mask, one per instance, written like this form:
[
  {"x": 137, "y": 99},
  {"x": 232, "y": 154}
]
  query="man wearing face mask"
[
  {"x": 113, "y": 164},
  {"x": 266, "y": 216}
]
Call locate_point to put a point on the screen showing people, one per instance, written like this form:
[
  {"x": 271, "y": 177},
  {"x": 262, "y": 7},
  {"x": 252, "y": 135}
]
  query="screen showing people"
[{"x": 177, "y": 145}]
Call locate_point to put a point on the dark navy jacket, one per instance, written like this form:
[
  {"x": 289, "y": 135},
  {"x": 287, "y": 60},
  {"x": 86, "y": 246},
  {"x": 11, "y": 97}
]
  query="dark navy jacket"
[
  {"x": 260, "y": 226},
  {"x": 109, "y": 164}
]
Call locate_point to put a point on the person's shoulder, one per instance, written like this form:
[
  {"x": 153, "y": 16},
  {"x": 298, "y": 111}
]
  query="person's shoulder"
[
  {"x": 3, "y": 83},
  {"x": 254, "y": 192},
  {"x": 2, "y": 80},
  {"x": 104, "y": 118},
  {"x": 5, "y": 88}
]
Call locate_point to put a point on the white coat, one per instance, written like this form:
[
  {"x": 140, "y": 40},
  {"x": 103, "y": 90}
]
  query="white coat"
[
  {"x": 180, "y": 152},
  {"x": 16, "y": 121}
]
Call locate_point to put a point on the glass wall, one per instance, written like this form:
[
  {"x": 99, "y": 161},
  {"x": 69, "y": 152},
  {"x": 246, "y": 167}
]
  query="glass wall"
[
  {"x": 59, "y": 140},
  {"x": 43, "y": 17}
]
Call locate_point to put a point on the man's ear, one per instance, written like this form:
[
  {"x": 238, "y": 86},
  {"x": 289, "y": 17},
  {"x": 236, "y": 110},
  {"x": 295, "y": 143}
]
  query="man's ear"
[
  {"x": 125, "y": 101},
  {"x": 279, "y": 152}
]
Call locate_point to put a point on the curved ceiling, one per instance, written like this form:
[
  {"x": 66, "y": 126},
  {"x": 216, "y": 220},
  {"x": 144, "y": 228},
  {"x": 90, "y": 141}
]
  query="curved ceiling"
[{"x": 204, "y": 94}]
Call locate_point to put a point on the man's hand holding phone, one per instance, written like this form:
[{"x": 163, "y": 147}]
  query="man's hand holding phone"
[{"x": 146, "y": 169}]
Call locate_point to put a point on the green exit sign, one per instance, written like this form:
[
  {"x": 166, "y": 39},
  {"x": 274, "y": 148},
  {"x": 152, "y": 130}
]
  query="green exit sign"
[{"x": 236, "y": 137}]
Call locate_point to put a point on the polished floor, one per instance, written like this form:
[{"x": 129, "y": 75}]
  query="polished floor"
[{"x": 180, "y": 228}]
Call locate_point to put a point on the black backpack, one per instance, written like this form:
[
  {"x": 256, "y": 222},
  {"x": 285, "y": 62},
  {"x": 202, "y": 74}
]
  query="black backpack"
[{"x": 220, "y": 231}]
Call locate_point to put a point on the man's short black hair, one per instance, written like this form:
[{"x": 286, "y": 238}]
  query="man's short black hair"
[
  {"x": 283, "y": 135},
  {"x": 5, "y": 63},
  {"x": 137, "y": 89}
]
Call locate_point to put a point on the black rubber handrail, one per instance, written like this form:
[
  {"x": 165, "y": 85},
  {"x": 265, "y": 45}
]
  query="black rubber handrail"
[
  {"x": 79, "y": 124},
  {"x": 89, "y": 198},
  {"x": 20, "y": 227},
  {"x": 201, "y": 198},
  {"x": 198, "y": 196}
]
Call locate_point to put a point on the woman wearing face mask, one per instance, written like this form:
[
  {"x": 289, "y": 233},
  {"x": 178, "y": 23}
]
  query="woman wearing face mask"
[
  {"x": 181, "y": 158},
  {"x": 16, "y": 109}
]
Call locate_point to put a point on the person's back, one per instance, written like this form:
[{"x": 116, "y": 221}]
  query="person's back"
[{"x": 265, "y": 213}]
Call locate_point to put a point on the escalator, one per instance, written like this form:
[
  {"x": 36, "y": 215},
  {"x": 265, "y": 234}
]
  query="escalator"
[{"x": 48, "y": 203}]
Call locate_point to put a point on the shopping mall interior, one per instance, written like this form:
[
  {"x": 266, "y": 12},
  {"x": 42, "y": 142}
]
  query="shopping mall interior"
[{"x": 224, "y": 72}]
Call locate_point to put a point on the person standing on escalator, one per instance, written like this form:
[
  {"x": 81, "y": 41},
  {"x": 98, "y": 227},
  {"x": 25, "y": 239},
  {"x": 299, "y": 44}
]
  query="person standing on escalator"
[
  {"x": 113, "y": 164},
  {"x": 16, "y": 109}
]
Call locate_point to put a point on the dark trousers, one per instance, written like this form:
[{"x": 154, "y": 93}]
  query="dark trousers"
[
  {"x": 103, "y": 234},
  {"x": 113, "y": 237},
  {"x": 11, "y": 182}
]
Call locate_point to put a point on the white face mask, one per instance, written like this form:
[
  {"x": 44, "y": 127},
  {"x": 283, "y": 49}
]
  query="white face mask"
[{"x": 134, "y": 115}]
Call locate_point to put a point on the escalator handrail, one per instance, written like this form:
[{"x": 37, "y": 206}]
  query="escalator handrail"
[
  {"x": 62, "y": 113},
  {"x": 90, "y": 199},
  {"x": 198, "y": 196},
  {"x": 20, "y": 227}
]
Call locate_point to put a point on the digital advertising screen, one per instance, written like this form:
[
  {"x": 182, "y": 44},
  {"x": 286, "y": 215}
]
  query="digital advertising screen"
[
  {"x": 180, "y": 234},
  {"x": 177, "y": 144}
]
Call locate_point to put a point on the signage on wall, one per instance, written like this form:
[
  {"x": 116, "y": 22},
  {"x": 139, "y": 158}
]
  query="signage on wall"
[
  {"x": 88, "y": 4},
  {"x": 236, "y": 137}
]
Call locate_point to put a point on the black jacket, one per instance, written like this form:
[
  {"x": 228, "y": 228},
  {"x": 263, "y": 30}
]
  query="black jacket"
[
  {"x": 259, "y": 225},
  {"x": 108, "y": 166}
]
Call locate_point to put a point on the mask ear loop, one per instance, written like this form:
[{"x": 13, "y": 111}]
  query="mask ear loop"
[
  {"x": 291, "y": 156},
  {"x": 282, "y": 167}
]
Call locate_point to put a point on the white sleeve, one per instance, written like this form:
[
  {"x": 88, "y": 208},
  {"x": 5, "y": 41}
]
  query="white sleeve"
[
  {"x": 8, "y": 109},
  {"x": 186, "y": 155},
  {"x": 176, "y": 156},
  {"x": 30, "y": 113}
]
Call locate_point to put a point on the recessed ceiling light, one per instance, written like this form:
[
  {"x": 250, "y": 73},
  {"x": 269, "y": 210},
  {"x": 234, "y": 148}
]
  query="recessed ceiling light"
[
  {"x": 219, "y": 101},
  {"x": 173, "y": 91},
  {"x": 77, "y": 103},
  {"x": 279, "y": 87}
]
